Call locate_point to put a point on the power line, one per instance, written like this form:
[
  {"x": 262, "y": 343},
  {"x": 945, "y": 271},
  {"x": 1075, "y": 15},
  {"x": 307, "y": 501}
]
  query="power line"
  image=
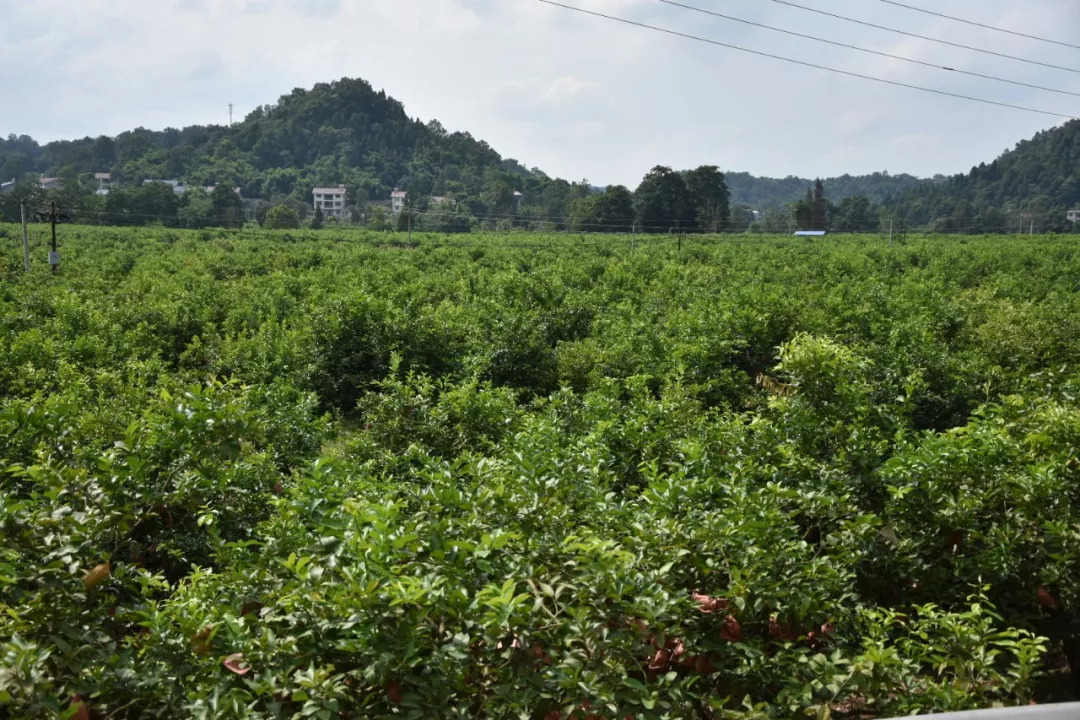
[
  {"x": 617, "y": 225},
  {"x": 611, "y": 227},
  {"x": 804, "y": 63},
  {"x": 620, "y": 223},
  {"x": 765, "y": 226},
  {"x": 868, "y": 50},
  {"x": 926, "y": 37},
  {"x": 982, "y": 25},
  {"x": 781, "y": 230}
]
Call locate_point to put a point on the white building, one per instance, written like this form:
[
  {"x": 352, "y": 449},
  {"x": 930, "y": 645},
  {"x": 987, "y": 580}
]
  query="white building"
[
  {"x": 104, "y": 179},
  {"x": 1073, "y": 216},
  {"x": 7, "y": 186},
  {"x": 48, "y": 183},
  {"x": 331, "y": 201},
  {"x": 178, "y": 187},
  {"x": 209, "y": 189},
  {"x": 397, "y": 200}
]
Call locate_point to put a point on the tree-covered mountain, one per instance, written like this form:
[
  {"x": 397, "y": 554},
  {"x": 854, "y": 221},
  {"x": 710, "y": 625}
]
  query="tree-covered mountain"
[
  {"x": 1032, "y": 185},
  {"x": 343, "y": 132}
]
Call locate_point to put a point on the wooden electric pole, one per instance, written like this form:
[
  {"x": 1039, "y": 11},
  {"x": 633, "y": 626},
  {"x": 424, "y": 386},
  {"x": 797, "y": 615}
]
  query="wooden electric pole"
[
  {"x": 25, "y": 236},
  {"x": 53, "y": 215}
]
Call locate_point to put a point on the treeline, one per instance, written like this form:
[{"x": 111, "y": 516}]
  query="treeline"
[
  {"x": 152, "y": 203},
  {"x": 666, "y": 201},
  {"x": 764, "y": 192}
]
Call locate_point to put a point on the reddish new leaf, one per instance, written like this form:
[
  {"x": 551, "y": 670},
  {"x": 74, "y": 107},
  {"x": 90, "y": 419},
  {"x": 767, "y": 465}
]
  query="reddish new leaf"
[
  {"x": 235, "y": 663},
  {"x": 1046, "y": 599},
  {"x": 709, "y": 604},
  {"x": 94, "y": 577},
  {"x": 732, "y": 630},
  {"x": 82, "y": 709}
]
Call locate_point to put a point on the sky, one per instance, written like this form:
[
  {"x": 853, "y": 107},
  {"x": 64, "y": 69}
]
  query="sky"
[{"x": 579, "y": 97}]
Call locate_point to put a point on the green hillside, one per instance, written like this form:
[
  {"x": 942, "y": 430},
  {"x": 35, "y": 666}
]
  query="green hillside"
[
  {"x": 343, "y": 132},
  {"x": 1037, "y": 181}
]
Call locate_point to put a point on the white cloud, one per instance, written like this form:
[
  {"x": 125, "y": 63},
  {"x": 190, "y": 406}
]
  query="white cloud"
[
  {"x": 575, "y": 95},
  {"x": 565, "y": 89}
]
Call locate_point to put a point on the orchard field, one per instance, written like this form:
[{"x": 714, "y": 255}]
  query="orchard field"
[{"x": 334, "y": 474}]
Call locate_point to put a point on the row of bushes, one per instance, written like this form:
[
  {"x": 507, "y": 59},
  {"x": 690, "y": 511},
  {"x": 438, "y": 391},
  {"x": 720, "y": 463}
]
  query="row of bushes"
[{"x": 289, "y": 476}]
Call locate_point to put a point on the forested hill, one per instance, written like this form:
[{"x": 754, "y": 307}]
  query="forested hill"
[
  {"x": 342, "y": 132},
  {"x": 1035, "y": 183},
  {"x": 764, "y": 192},
  {"x": 1038, "y": 179},
  {"x": 347, "y": 132}
]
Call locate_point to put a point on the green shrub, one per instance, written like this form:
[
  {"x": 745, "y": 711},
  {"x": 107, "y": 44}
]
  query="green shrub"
[{"x": 762, "y": 479}]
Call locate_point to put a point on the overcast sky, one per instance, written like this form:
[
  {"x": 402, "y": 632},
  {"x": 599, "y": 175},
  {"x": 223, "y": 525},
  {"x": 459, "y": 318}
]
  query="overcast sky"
[{"x": 577, "y": 96}]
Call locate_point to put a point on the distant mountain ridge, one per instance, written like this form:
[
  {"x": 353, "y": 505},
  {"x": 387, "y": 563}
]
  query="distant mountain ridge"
[{"x": 1038, "y": 180}]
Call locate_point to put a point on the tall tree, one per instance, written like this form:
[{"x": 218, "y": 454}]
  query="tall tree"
[
  {"x": 709, "y": 197},
  {"x": 228, "y": 209},
  {"x": 27, "y": 192},
  {"x": 818, "y": 214},
  {"x": 281, "y": 217},
  {"x": 610, "y": 211},
  {"x": 104, "y": 153},
  {"x": 662, "y": 201},
  {"x": 196, "y": 210},
  {"x": 153, "y": 202},
  {"x": 854, "y": 214},
  {"x": 811, "y": 212}
]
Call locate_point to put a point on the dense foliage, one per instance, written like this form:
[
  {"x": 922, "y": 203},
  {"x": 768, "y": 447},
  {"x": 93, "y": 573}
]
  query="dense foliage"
[{"x": 295, "y": 474}]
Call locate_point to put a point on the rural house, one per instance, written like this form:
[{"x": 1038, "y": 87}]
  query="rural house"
[
  {"x": 397, "y": 200},
  {"x": 1073, "y": 216},
  {"x": 330, "y": 200}
]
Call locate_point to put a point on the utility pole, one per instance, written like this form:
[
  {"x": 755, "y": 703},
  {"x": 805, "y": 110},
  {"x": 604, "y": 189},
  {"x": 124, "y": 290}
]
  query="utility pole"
[
  {"x": 1031, "y": 229},
  {"x": 53, "y": 215},
  {"x": 230, "y": 114},
  {"x": 25, "y": 237},
  {"x": 890, "y": 233}
]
